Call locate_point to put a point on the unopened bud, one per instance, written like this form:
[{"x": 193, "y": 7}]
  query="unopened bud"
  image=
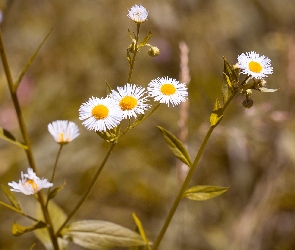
[
  {"x": 247, "y": 103},
  {"x": 154, "y": 51}
]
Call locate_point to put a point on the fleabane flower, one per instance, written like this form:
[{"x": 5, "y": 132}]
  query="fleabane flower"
[
  {"x": 254, "y": 65},
  {"x": 131, "y": 100},
  {"x": 100, "y": 114},
  {"x": 30, "y": 183},
  {"x": 63, "y": 131},
  {"x": 167, "y": 90},
  {"x": 138, "y": 13}
]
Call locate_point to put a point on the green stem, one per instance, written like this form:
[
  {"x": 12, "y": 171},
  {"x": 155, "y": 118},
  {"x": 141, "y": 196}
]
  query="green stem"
[
  {"x": 25, "y": 136},
  {"x": 18, "y": 211},
  {"x": 48, "y": 221},
  {"x": 182, "y": 190},
  {"x": 54, "y": 170},
  {"x": 134, "y": 54},
  {"x": 12, "y": 90},
  {"x": 190, "y": 174},
  {"x": 79, "y": 204}
]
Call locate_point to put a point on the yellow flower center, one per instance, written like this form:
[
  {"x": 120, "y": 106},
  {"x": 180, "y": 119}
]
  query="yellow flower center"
[
  {"x": 128, "y": 103},
  {"x": 100, "y": 112},
  {"x": 255, "y": 67},
  {"x": 62, "y": 139},
  {"x": 33, "y": 184},
  {"x": 168, "y": 89}
]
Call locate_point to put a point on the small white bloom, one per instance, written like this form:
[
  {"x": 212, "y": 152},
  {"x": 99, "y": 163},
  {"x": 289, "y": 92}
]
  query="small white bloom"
[
  {"x": 100, "y": 114},
  {"x": 167, "y": 90},
  {"x": 131, "y": 100},
  {"x": 63, "y": 131},
  {"x": 138, "y": 13},
  {"x": 254, "y": 65},
  {"x": 30, "y": 183}
]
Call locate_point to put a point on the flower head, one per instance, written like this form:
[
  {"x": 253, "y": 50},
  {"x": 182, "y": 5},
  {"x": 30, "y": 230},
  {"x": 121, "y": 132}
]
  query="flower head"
[
  {"x": 30, "y": 183},
  {"x": 138, "y": 13},
  {"x": 167, "y": 90},
  {"x": 100, "y": 114},
  {"x": 63, "y": 131},
  {"x": 130, "y": 99},
  {"x": 254, "y": 65}
]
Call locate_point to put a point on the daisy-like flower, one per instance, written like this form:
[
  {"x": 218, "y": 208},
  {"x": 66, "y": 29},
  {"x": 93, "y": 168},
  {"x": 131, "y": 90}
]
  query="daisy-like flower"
[
  {"x": 100, "y": 114},
  {"x": 254, "y": 65},
  {"x": 167, "y": 90},
  {"x": 130, "y": 99},
  {"x": 30, "y": 183},
  {"x": 138, "y": 13},
  {"x": 63, "y": 131}
]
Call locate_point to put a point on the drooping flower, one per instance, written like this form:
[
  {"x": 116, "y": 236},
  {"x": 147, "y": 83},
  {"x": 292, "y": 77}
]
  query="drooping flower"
[
  {"x": 138, "y": 13},
  {"x": 254, "y": 65},
  {"x": 167, "y": 90},
  {"x": 100, "y": 114},
  {"x": 30, "y": 183},
  {"x": 130, "y": 99},
  {"x": 63, "y": 132}
]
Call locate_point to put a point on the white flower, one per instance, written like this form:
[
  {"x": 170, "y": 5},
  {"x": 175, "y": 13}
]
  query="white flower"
[
  {"x": 138, "y": 13},
  {"x": 130, "y": 99},
  {"x": 167, "y": 90},
  {"x": 63, "y": 131},
  {"x": 254, "y": 65},
  {"x": 30, "y": 183},
  {"x": 100, "y": 114}
]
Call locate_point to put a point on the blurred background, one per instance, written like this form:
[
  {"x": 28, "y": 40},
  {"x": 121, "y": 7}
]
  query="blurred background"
[{"x": 252, "y": 150}]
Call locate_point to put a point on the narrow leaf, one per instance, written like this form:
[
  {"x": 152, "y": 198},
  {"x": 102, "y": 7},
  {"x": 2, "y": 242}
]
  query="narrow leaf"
[
  {"x": 230, "y": 81},
  {"x": 176, "y": 147},
  {"x": 146, "y": 39},
  {"x": 18, "y": 230},
  {"x": 141, "y": 230},
  {"x": 25, "y": 69},
  {"x": 12, "y": 197},
  {"x": 11, "y": 207},
  {"x": 32, "y": 247},
  {"x": 55, "y": 191},
  {"x": 201, "y": 193},
  {"x": 217, "y": 114},
  {"x": 7, "y": 136},
  {"x": 263, "y": 89},
  {"x": 101, "y": 235},
  {"x": 108, "y": 87}
]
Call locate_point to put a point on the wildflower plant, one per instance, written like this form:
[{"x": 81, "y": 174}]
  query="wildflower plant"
[{"x": 104, "y": 115}]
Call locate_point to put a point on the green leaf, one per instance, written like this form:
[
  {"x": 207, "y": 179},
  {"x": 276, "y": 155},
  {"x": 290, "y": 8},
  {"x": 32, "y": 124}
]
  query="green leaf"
[
  {"x": 230, "y": 81},
  {"x": 18, "y": 230},
  {"x": 25, "y": 69},
  {"x": 217, "y": 114},
  {"x": 146, "y": 39},
  {"x": 263, "y": 89},
  {"x": 201, "y": 193},
  {"x": 141, "y": 230},
  {"x": 55, "y": 191},
  {"x": 12, "y": 197},
  {"x": 101, "y": 235},
  {"x": 7, "y": 136},
  {"x": 109, "y": 89},
  {"x": 57, "y": 217},
  {"x": 176, "y": 147}
]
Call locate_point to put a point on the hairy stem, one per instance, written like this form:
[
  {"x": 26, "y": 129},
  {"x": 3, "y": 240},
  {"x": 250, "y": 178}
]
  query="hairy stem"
[{"x": 134, "y": 54}]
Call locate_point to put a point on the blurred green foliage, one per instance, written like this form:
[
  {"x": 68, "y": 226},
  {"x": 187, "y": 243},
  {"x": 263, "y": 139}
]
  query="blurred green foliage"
[{"x": 251, "y": 150}]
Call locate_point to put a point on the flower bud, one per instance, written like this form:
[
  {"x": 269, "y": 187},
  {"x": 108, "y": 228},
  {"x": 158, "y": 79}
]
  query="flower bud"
[
  {"x": 153, "y": 51},
  {"x": 247, "y": 103}
]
